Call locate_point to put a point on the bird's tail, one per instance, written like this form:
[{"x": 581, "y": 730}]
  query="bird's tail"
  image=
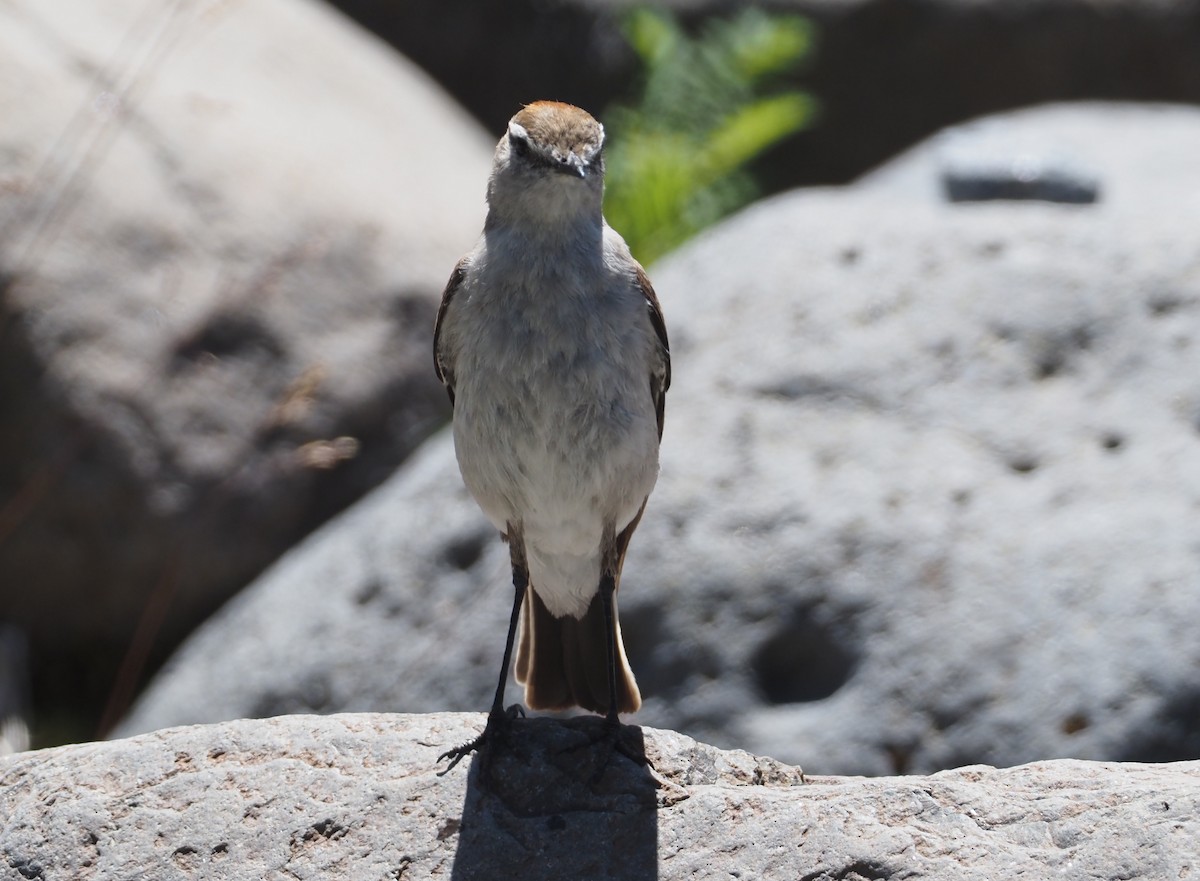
[{"x": 563, "y": 662}]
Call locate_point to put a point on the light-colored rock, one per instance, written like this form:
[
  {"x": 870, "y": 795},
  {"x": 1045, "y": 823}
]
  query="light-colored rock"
[
  {"x": 929, "y": 480},
  {"x": 225, "y": 230},
  {"x": 1139, "y": 155},
  {"x": 357, "y": 796}
]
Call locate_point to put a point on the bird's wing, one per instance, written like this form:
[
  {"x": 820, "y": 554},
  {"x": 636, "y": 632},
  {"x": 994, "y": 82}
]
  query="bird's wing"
[
  {"x": 660, "y": 373},
  {"x": 445, "y": 372}
]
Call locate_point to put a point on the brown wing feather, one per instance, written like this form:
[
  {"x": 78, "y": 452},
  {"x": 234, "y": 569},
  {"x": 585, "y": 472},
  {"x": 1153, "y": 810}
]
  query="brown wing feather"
[
  {"x": 660, "y": 378},
  {"x": 443, "y": 371}
]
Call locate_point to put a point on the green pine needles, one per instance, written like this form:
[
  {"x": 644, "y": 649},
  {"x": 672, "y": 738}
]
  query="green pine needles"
[{"x": 677, "y": 160}]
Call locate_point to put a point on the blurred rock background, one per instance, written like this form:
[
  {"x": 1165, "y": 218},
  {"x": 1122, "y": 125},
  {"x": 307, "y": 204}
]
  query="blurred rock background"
[
  {"x": 930, "y": 464},
  {"x": 222, "y": 246}
]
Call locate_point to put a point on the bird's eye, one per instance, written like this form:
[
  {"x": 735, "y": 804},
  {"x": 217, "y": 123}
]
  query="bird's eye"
[{"x": 519, "y": 144}]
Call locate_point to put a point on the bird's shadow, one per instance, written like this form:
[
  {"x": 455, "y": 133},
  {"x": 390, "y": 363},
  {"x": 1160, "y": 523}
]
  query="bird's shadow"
[{"x": 553, "y": 799}]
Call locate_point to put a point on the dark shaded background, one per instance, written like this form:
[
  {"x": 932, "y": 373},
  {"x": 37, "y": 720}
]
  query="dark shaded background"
[{"x": 887, "y": 72}]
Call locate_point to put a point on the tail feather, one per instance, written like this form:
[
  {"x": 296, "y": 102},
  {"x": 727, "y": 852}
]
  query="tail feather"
[
  {"x": 563, "y": 662},
  {"x": 525, "y": 640}
]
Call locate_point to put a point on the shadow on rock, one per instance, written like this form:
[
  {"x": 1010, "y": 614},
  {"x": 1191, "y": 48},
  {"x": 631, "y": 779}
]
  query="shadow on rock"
[{"x": 553, "y": 800}]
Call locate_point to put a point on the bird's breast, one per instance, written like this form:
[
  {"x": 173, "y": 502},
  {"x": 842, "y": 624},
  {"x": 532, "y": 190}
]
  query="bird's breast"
[{"x": 554, "y": 419}]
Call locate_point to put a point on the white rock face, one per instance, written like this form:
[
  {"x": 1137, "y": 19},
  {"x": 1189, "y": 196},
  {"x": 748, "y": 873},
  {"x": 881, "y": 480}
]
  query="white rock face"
[{"x": 357, "y": 796}]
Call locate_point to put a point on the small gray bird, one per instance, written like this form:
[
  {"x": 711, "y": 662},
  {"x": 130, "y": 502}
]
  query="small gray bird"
[{"x": 552, "y": 347}]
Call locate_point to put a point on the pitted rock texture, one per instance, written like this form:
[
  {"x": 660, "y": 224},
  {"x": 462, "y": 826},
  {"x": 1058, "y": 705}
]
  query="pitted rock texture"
[{"x": 358, "y": 796}]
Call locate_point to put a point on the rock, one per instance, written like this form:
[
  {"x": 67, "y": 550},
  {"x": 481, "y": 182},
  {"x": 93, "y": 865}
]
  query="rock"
[
  {"x": 929, "y": 476},
  {"x": 357, "y": 796},
  {"x": 1127, "y": 154},
  {"x": 1021, "y": 174},
  {"x": 888, "y": 74},
  {"x": 219, "y": 265}
]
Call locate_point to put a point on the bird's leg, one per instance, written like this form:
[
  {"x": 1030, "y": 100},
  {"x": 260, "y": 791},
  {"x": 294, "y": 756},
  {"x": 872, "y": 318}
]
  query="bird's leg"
[
  {"x": 610, "y": 565},
  {"x": 498, "y": 716},
  {"x": 608, "y": 586},
  {"x": 612, "y": 721}
]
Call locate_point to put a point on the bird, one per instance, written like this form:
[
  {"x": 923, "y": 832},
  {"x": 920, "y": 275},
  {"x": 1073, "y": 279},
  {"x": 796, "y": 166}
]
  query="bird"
[{"x": 551, "y": 345}]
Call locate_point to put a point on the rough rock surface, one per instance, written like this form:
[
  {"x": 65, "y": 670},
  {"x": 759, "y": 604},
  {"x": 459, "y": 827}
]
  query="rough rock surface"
[
  {"x": 357, "y": 796},
  {"x": 929, "y": 480},
  {"x": 1138, "y": 155},
  {"x": 887, "y": 72},
  {"x": 222, "y": 249}
]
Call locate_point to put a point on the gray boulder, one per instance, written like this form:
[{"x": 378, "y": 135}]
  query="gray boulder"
[
  {"x": 1126, "y": 155},
  {"x": 223, "y": 244},
  {"x": 928, "y": 482},
  {"x": 356, "y": 796}
]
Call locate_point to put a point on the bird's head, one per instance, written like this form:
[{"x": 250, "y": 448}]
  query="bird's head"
[{"x": 550, "y": 162}]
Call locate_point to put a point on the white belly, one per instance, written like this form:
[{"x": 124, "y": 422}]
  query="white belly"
[
  {"x": 563, "y": 463},
  {"x": 562, "y": 448},
  {"x": 554, "y": 418}
]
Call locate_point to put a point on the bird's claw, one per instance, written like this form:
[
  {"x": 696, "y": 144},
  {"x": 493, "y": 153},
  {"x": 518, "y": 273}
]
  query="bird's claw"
[{"x": 496, "y": 724}]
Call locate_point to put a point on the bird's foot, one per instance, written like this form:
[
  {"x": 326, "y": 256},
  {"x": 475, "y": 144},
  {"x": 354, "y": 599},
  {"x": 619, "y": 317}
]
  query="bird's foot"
[
  {"x": 496, "y": 727},
  {"x": 612, "y": 737},
  {"x": 632, "y": 748}
]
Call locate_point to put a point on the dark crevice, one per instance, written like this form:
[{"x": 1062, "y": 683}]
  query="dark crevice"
[
  {"x": 1171, "y": 735},
  {"x": 811, "y": 655},
  {"x": 229, "y": 335},
  {"x": 464, "y": 551},
  {"x": 859, "y": 870},
  {"x": 1023, "y": 464}
]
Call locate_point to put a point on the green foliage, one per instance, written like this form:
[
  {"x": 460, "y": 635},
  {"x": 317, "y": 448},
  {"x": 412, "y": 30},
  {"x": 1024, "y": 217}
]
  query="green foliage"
[{"x": 676, "y": 161}]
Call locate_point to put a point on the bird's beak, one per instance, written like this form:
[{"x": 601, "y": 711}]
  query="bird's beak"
[{"x": 576, "y": 164}]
